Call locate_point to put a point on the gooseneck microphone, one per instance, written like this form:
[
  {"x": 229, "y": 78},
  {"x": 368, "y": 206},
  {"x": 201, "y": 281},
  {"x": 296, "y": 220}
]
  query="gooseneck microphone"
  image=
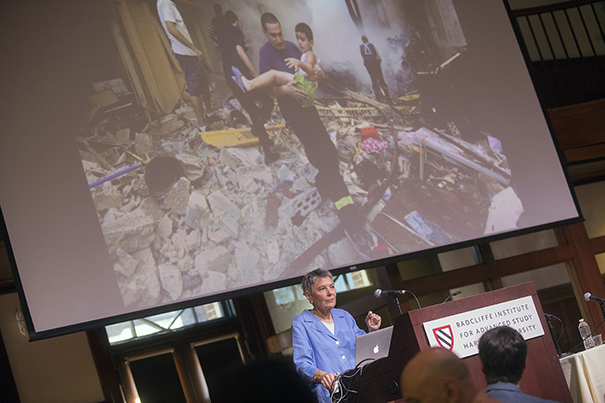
[
  {"x": 452, "y": 295},
  {"x": 589, "y": 297},
  {"x": 391, "y": 293},
  {"x": 388, "y": 293}
]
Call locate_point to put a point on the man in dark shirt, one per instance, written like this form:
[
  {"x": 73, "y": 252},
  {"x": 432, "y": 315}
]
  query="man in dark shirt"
[
  {"x": 217, "y": 23},
  {"x": 257, "y": 103},
  {"x": 372, "y": 61},
  {"x": 308, "y": 127}
]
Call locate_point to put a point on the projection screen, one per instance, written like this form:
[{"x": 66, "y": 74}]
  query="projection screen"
[{"x": 116, "y": 205}]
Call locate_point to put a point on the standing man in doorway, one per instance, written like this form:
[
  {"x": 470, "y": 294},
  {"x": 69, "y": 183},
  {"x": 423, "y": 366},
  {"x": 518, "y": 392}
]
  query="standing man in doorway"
[
  {"x": 217, "y": 23},
  {"x": 258, "y": 103},
  {"x": 188, "y": 56},
  {"x": 308, "y": 127},
  {"x": 373, "y": 61}
]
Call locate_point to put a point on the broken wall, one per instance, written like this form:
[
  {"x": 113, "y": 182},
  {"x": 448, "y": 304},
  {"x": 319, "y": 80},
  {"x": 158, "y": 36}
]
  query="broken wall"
[{"x": 161, "y": 78}]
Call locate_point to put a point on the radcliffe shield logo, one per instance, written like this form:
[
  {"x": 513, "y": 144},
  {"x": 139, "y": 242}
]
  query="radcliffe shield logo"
[{"x": 444, "y": 337}]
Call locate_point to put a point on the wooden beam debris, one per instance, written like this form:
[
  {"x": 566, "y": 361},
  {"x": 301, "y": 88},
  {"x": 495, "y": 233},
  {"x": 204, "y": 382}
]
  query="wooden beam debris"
[
  {"x": 456, "y": 153},
  {"x": 234, "y": 137}
]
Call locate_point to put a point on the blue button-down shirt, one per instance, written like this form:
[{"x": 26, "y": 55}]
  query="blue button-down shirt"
[{"x": 315, "y": 347}]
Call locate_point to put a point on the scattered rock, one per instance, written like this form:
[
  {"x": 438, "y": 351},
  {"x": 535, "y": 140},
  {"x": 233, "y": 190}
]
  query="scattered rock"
[
  {"x": 218, "y": 202},
  {"x": 197, "y": 210},
  {"x": 217, "y": 259},
  {"x": 164, "y": 229},
  {"x": 178, "y": 197},
  {"x": 172, "y": 282}
]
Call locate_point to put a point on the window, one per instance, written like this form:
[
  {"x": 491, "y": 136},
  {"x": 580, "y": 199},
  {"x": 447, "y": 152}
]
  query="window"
[
  {"x": 343, "y": 282},
  {"x": 168, "y": 322}
]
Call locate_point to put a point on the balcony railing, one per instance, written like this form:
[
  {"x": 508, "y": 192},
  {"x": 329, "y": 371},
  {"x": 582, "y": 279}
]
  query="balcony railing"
[{"x": 565, "y": 43}]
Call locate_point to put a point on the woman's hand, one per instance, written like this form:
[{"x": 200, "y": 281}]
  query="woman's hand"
[
  {"x": 325, "y": 378},
  {"x": 373, "y": 321}
]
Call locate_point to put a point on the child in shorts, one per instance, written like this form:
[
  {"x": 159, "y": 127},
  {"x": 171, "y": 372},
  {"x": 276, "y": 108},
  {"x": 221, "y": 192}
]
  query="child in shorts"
[{"x": 303, "y": 69}]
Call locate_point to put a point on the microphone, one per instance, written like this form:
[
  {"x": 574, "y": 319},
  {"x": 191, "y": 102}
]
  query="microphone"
[
  {"x": 588, "y": 297},
  {"x": 452, "y": 295},
  {"x": 389, "y": 293}
]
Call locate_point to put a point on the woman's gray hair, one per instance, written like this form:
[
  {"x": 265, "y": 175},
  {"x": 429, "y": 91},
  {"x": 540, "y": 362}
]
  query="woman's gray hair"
[{"x": 311, "y": 277}]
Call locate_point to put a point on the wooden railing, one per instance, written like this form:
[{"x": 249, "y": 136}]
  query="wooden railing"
[{"x": 566, "y": 44}]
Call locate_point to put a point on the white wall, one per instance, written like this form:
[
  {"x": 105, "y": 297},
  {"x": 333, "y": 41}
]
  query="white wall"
[
  {"x": 58, "y": 370},
  {"x": 591, "y": 199}
]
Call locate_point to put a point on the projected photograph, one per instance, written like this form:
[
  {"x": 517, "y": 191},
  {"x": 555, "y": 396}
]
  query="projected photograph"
[{"x": 327, "y": 134}]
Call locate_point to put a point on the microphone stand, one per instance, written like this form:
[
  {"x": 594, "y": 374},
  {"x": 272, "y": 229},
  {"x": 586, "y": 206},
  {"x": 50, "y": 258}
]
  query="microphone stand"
[
  {"x": 394, "y": 295},
  {"x": 602, "y": 308},
  {"x": 552, "y": 333}
]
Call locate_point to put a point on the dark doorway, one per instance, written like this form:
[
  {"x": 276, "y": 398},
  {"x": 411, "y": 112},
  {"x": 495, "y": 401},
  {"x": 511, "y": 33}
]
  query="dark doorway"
[{"x": 157, "y": 379}]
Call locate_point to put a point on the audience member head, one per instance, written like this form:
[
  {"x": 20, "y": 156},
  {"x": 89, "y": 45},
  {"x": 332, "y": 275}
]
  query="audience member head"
[
  {"x": 364, "y": 39},
  {"x": 231, "y": 18},
  {"x": 502, "y": 351},
  {"x": 264, "y": 381},
  {"x": 437, "y": 375}
]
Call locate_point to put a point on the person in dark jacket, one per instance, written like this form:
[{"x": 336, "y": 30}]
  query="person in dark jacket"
[{"x": 373, "y": 61}]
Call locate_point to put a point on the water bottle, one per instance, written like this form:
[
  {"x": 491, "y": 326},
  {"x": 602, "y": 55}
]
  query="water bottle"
[{"x": 585, "y": 332}]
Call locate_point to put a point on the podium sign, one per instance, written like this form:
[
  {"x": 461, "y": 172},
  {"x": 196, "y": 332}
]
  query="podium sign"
[
  {"x": 460, "y": 333},
  {"x": 452, "y": 324}
]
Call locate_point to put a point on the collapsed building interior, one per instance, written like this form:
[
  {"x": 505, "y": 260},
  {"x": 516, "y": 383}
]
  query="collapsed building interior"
[{"x": 171, "y": 199}]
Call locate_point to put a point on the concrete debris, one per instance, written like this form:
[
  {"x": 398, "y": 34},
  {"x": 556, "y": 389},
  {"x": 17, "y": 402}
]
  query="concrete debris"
[
  {"x": 272, "y": 252},
  {"x": 229, "y": 225},
  {"x": 504, "y": 212},
  {"x": 237, "y": 157},
  {"x": 171, "y": 279},
  {"x": 340, "y": 253},
  {"x": 145, "y": 280},
  {"x": 197, "y": 210},
  {"x": 213, "y": 283},
  {"x": 107, "y": 196},
  {"x": 131, "y": 231},
  {"x": 217, "y": 259},
  {"x": 301, "y": 205},
  {"x": 259, "y": 172},
  {"x": 246, "y": 268},
  {"x": 127, "y": 263},
  {"x": 167, "y": 125},
  {"x": 227, "y": 220},
  {"x": 177, "y": 199},
  {"x": 164, "y": 229},
  {"x": 193, "y": 241},
  {"x": 222, "y": 204},
  {"x": 143, "y": 143},
  {"x": 219, "y": 237},
  {"x": 123, "y": 135},
  {"x": 429, "y": 231},
  {"x": 193, "y": 165}
]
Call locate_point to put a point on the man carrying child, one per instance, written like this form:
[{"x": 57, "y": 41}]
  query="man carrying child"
[{"x": 308, "y": 127}]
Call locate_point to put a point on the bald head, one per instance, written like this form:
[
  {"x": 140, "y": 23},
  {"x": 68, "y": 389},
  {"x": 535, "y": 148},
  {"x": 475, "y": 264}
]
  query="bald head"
[{"x": 436, "y": 375}]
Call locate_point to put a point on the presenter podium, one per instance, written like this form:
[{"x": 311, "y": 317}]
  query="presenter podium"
[{"x": 378, "y": 382}]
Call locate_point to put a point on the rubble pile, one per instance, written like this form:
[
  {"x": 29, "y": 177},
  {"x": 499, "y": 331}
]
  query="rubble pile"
[{"x": 182, "y": 218}]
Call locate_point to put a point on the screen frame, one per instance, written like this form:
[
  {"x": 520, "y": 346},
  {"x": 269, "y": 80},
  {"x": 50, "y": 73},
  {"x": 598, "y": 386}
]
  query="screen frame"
[{"x": 37, "y": 335}]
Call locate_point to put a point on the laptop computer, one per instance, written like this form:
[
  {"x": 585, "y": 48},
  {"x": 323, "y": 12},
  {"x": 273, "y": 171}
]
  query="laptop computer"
[{"x": 372, "y": 346}]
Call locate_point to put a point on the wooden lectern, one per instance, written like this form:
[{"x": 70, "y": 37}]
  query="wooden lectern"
[{"x": 378, "y": 382}]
